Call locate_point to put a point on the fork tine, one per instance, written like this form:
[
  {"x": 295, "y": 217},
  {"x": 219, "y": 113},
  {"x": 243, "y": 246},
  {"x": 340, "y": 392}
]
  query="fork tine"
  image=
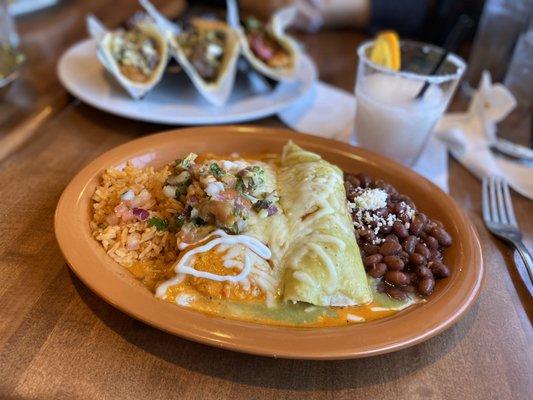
[
  {"x": 499, "y": 183},
  {"x": 509, "y": 204},
  {"x": 493, "y": 200},
  {"x": 485, "y": 198}
]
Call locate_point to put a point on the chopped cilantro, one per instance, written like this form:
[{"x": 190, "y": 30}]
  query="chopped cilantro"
[
  {"x": 181, "y": 189},
  {"x": 239, "y": 185},
  {"x": 261, "y": 205},
  {"x": 185, "y": 163},
  {"x": 198, "y": 221},
  {"x": 180, "y": 221},
  {"x": 215, "y": 170},
  {"x": 159, "y": 223},
  {"x": 234, "y": 229},
  {"x": 258, "y": 176},
  {"x": 252, "y": 23}
]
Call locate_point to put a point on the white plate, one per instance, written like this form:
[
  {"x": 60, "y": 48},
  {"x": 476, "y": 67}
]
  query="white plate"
[
  {"x": 175, "y": 101},
  {"x": 21, "y": 7}
]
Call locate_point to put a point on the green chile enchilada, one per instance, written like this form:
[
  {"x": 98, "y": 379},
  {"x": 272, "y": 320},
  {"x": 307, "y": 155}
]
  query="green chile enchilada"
[
  {"x": 322, "y": 264},
  {"x": 267, "y": 238}
]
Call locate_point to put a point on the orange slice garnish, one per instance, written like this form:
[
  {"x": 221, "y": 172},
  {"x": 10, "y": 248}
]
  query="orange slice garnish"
[{"x": 386, "y": 50}]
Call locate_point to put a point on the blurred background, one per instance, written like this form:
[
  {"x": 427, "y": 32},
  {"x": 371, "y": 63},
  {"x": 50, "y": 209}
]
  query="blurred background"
[{"x": 33, "y": 34}]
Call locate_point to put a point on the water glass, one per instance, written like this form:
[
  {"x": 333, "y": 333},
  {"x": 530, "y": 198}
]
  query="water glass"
[
  {"x": 501, "y": 23},
  {"x": 8, "y": 33},
  {"x": 390, "y": 119}
]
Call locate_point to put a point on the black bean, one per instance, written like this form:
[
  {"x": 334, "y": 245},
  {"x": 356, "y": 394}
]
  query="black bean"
[
  {"x": 390, "y": 248},
  {"x": 435, "y": 255},
  {"x": 404, "y": 218},
  {"x": 392, "y": 238},
  {"x": 382, "y": 212},
  {"x": 413, "y": 277},
  {"x": 399, "y": 230},
  {"x": 409, "y": 244},
  {"x": 377, "y": 270},
  {"x": 409, "y": 289},
  {"x": 430, "y": 225},
  {"x": 442, "y": 236},
  {"x": 431, "y": 242},
  {"x": 439, "y": 269},
  {"x": 422, "y": 249},
  {"x": 406, "y": 199},
  {"x": 369, "y": 249},
  {"x": 381, "y": 287},
  {"x": 381, "y": 184},
  {"x": 396, "y": 208},
  {"x": 404, "y": 256},
  {"x": 417, "y": 259},
  {"x": 417, "y": 224},
  {"x": 385, "y": 229},
  {"x": 397, "y": 278},
  {"x": 393, "y": 192},
  {"x": 364, "y": 179},
  {"x": 394, "y": 262},
  {"x": 423, "y": 271},
  {"x": 426, "y": 286},
  {"x": 396, "y": 293},
  {"x": 351, "y": 192},
  {"x": 352, "y": 179},
  {"x": 372, "y": 259},
  {"x": 367, "y": 235}
]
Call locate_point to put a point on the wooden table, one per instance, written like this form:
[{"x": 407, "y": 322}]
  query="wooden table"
[{"x": 59, "y": 340}]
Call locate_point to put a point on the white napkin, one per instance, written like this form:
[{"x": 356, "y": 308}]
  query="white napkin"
[
  {"x": 330, "y": 112},
  {"x": 469, "y": 135}
]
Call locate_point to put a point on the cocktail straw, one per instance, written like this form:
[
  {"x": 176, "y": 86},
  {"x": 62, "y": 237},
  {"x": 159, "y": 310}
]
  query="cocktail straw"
[{"x": 463, "y": 25}]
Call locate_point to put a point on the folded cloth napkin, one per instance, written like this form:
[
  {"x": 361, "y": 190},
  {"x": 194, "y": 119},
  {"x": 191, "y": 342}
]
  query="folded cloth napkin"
[
  {"x": 330, "y": 112},
  {"x": 469, "y": 136}
]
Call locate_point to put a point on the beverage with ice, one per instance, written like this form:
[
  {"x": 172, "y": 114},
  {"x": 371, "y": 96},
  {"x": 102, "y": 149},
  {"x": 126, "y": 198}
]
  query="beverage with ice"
[{"x": 390, "y": 119}]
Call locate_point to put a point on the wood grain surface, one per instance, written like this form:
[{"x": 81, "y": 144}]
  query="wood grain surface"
[{"x": 60, "y": 341}]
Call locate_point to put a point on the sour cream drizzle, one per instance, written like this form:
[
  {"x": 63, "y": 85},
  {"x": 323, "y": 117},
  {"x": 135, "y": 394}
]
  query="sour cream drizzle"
[{"x": 183, "y": 267}]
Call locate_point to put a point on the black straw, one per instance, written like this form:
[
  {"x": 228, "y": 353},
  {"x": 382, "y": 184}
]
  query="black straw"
[{"x": 463, "y": 25}]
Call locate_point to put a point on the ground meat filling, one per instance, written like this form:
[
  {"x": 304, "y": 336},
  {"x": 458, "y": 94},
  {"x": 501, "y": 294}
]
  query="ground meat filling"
[
  {"x": 205, "y": 51},
  {"x": 400, "y": 246},
  {"x": 137, "y": 54},
  {"x": 265, "y": 46}
]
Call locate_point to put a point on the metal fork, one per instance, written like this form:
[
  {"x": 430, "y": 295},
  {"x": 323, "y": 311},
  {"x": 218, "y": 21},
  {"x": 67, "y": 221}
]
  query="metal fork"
[{"x": 499, "y": 218}]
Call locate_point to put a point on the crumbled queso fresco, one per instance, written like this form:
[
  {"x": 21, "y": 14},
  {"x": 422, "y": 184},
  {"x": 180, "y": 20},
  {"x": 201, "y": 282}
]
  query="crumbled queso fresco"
[
  {"x": 367, "y": 212},
  {"x": 371, "y": 199}
]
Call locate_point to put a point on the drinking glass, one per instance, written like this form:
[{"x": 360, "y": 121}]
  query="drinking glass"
[
  {"x": 390, "y": 119},
  {"x": 8, "y": 34},
  {"x": 501, "y": 23}
]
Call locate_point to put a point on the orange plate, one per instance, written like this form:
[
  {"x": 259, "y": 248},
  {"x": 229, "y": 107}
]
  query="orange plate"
[{"x": 450, "y": 301}]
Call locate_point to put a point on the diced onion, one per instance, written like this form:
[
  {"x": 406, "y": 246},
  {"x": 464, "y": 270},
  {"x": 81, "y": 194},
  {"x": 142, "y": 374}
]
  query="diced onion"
[
  {"x": 169, "y": 191},
  {"x": 127, "y": 195}
]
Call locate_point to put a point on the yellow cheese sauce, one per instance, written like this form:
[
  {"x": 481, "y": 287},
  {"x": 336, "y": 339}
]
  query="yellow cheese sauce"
[{"x": 212, "y": 261}]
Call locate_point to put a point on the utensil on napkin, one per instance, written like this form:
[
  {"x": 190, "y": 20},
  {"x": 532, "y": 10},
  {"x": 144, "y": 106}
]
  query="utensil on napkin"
[{"x": 470, "y": 135}]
